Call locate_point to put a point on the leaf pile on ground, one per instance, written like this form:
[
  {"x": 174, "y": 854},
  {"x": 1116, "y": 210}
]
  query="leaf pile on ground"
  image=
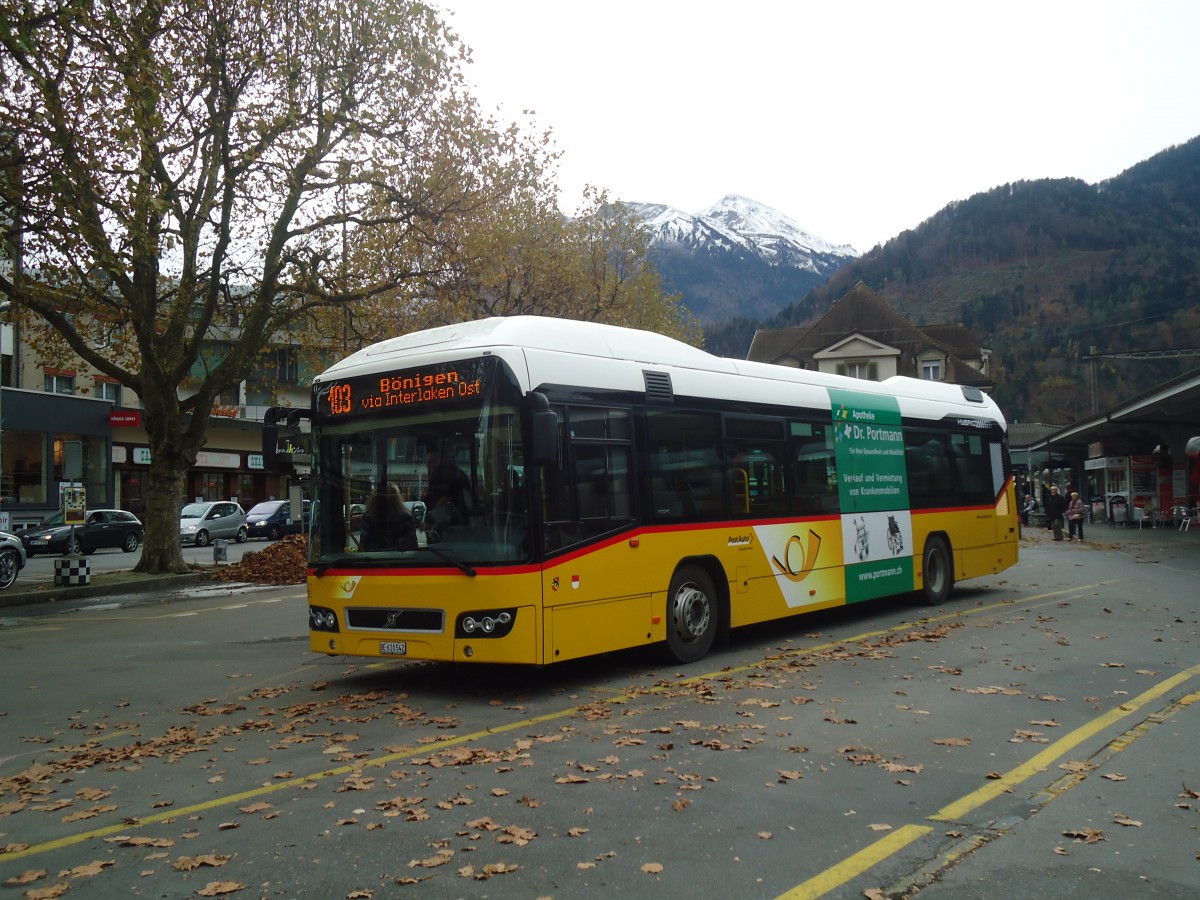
[{"x": 283, "y": 562}]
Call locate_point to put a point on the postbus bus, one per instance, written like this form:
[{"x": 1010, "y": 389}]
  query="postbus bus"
[{"x": 610, "y": 488}]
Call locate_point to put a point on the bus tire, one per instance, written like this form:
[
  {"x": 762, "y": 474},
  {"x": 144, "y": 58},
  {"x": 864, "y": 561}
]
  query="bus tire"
[
  {"x": 693, "y": 614},
  {"x": 938, "y": 568}
]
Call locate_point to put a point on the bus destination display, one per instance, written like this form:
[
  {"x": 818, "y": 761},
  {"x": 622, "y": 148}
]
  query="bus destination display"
[{"x": 411, "y": 388}]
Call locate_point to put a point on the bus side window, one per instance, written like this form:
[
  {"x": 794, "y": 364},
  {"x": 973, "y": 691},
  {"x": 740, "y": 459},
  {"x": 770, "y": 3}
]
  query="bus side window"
[
  {"x": 686, "y": 478},
  {"x": 814, "y": 488},
  {"x": 930, "y": 478}
]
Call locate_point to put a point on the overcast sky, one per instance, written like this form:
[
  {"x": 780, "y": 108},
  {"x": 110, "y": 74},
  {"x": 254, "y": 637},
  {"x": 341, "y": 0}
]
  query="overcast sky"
[{"x": 856, "y": 118}]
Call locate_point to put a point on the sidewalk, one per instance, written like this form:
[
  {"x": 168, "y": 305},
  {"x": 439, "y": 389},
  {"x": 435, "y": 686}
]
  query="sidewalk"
[
  {"x": 1101, "y": 535},
  {"x": 42, "y": 589}
]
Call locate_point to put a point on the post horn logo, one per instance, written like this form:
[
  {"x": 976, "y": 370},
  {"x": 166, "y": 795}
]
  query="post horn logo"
[{"x": 807, "y": 558}]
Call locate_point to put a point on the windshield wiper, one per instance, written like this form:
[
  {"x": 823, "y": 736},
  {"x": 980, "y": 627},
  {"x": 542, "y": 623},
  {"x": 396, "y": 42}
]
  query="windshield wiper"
[
  {"x": 329, "y": 563},
  {"x": 458, "y": 564}
]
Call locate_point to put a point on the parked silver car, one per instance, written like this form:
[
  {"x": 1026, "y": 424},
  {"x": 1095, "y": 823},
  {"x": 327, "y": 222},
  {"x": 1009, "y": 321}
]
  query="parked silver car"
[
  {"x": 202, "y": 523},
  {"x": 12, "y": 558}
]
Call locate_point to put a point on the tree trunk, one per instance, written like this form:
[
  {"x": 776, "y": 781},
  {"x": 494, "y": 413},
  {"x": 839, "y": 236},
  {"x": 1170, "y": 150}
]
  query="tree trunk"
[
  {"x": 161, "y": 552},
  {"x": 173, "y": 447}
]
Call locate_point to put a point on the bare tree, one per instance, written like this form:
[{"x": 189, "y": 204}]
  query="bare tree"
[{"x": 185, "y": 173}]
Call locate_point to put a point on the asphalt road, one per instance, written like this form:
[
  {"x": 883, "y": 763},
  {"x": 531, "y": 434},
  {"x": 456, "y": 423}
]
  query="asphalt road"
[{"x": 1034, "y": 737}]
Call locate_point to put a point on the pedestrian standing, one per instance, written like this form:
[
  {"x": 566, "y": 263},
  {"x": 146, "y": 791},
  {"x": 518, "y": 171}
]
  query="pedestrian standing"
[
  {"x": 1056, "y": 510},
  {"x": 1075, "y": 514}
]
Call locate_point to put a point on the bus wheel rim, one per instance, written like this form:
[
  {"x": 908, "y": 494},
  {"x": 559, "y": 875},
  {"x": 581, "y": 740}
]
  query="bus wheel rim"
[{"x": 691, "y": 612}]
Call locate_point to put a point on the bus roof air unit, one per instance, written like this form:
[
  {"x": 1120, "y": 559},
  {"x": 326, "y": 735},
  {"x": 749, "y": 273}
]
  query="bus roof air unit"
[{"x": 658, "y": 387}]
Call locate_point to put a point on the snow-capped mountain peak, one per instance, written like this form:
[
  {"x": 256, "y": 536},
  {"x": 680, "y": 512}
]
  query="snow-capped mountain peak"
[
  {"x": 738, "y": 258},
  {"x": 749, "y": 217},
  {"x": 741, "y": 225}
]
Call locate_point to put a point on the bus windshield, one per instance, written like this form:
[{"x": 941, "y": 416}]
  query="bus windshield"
[{"x": 433, "y": 481}]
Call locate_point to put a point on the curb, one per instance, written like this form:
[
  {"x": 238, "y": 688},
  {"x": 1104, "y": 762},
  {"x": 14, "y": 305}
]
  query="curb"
[{"x": 99, "y": 587}]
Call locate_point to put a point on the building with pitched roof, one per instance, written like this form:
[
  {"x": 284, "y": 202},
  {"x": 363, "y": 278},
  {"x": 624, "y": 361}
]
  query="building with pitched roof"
[{"x": 864, "y": 336}]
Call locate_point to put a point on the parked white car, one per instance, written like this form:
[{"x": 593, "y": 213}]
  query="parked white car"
[{"x": 202, "y": 523}]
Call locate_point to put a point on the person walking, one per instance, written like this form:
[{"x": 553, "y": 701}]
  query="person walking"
[
  {"x": 1075, "y": 513},
  {"x": 1056, "y": 510}
]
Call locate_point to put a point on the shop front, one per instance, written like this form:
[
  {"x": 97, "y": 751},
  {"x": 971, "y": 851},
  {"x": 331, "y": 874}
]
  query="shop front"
[{"x": 42, "y": 433}]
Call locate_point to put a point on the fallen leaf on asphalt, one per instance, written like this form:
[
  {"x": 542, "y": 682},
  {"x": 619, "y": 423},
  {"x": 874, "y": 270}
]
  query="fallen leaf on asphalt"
[
  {"x": 1086, "y": 835},
  {"x": 487, "y": 871},
  {"x": 188, "y": 863},
  {"x": 1114, "y": 776},
  {"x": 652, "y": 868},
  {"x": 953, "y": 742},
  {"x": 220, "y": 888},
  {"x": 1077, "y": 767},
  {"x": 87, "y": 870},
  {"x": 790, "y": 775},
  {"x": 442, "y": 857},
  {"x": 1121, "y": 819},
  {"x": 28, "y": 877},
  {"x": 48, "y": 893},
  {"x": 516, "y": 834},
  {"x": 88, "y": 813},
  {"x": 880, "y": 827},
  {"x": 127, "y": 840}
]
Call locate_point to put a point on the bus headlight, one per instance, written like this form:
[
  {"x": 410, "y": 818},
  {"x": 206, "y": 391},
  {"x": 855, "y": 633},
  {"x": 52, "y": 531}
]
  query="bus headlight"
[
  {"x": 322, "y": 619},
  {"x": 491, "y": 623}
]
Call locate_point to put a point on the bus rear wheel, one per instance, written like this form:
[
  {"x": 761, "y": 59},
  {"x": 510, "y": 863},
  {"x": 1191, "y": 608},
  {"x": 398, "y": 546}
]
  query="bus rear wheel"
[
  {"x": 939, "y": 572},
  {"x": 692, "y": 614}
]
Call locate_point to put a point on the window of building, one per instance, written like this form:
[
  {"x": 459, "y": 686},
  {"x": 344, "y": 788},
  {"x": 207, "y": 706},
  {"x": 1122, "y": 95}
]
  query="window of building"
[
  {"x": 108, "y": 390},
  {"x": 283, "y": 365},
  {"x": 59, "y": 383},
  {"x": 931, "y": 370},
  {"x": 868, "y": 370}
]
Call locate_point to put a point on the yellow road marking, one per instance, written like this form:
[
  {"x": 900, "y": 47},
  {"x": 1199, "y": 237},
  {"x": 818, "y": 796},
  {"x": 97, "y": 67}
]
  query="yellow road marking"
[
  {"x": 619, "y": 697},
  {"x": 870, "y": 856},
  {"x": 1042, "y": 761},
  {"x": 852, "y": 866}
]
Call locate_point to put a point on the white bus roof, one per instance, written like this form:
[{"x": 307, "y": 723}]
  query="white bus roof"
[{"x": 545, "y": 350}]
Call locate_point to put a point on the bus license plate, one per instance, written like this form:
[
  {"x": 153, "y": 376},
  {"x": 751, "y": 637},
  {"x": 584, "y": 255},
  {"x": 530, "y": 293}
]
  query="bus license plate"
[{"x": 393, "y": 648}]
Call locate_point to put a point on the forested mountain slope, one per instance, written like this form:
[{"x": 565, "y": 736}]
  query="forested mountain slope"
[{"x": 1043, "y": 272}]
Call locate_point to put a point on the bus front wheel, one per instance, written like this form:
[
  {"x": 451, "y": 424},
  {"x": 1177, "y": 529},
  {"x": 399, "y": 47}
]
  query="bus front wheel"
[
  {"x": 939, "y": 572},
  {"x": 692, "y": 614}
]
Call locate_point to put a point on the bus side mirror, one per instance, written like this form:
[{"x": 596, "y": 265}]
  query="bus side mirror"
[
  {"x": 283, "y": 425},
  {"x": 543, "y": 432}
]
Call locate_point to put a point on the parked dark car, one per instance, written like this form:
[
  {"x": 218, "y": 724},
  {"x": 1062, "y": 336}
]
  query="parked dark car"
[
  {"x": 102, "y": 528},
  {"x": 272, "y": 519}
]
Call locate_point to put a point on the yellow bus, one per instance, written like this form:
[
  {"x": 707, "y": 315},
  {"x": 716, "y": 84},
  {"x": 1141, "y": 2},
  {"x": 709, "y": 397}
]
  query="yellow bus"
[{"x": 533, "y": 490}]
